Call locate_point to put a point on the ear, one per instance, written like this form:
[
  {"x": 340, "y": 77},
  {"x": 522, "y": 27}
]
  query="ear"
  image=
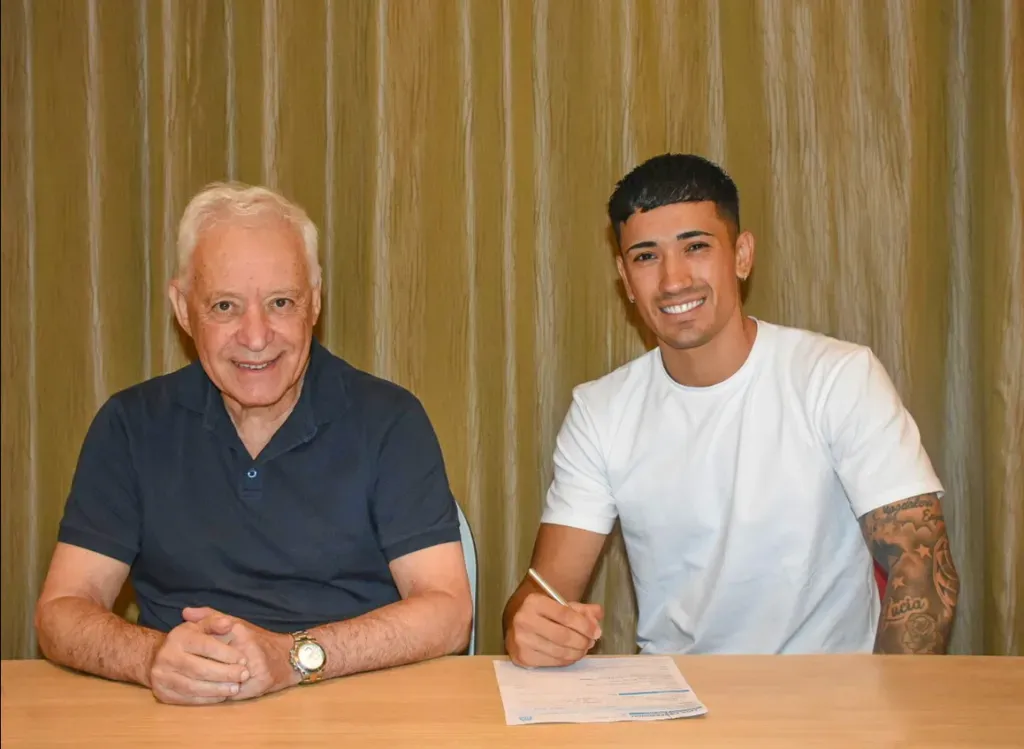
[
  {"x": 316, "y": 301},
  {"x": 179, "y": 303},
  {"x": 744, "y": 255},
  {"x": 621, "y": 266}
]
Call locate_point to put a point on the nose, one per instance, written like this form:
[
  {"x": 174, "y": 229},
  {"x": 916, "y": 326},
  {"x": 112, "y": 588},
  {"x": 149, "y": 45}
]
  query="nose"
[
  {"x": 675, "y": 274},
  {"x": 255, "y": 332}
]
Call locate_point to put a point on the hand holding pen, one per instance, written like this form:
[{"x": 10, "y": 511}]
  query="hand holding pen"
[{"x": 549, "y": 631}]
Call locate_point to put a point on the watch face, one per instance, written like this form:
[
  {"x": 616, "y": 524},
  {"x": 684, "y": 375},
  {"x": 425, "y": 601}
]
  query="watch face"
[{"x": 311, "y": 656}]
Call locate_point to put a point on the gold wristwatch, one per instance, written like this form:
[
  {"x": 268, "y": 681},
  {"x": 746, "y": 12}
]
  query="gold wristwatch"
[{"x": 307, "y": 657}]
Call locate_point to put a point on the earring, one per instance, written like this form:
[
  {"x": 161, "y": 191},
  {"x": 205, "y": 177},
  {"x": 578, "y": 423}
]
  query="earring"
[{"x": 632, "y": 300}]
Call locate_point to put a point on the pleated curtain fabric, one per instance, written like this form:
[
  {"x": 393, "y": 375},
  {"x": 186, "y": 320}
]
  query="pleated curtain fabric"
[{"x": 457, "y": 156}]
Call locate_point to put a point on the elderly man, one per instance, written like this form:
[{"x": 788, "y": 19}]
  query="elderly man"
[{"x": 285, "y": 517}]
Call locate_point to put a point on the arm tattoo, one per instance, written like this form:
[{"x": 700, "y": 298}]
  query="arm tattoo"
[{"x": 909, "y": 540}]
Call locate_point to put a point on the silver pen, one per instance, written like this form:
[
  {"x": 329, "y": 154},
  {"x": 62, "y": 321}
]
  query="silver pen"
[{"x": 547, "y": 588}]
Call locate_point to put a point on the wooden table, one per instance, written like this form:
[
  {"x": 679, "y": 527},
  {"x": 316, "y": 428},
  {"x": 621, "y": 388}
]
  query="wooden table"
[{"x": 762, "y": 701}]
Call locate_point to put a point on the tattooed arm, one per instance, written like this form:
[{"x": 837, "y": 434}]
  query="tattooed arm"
[{"x": 908, "y": 538}]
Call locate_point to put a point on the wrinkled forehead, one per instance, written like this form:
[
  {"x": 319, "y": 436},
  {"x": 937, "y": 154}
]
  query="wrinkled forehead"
[
  {"x": 264, "y": 221},
  {"x": 250, "y": 249}
]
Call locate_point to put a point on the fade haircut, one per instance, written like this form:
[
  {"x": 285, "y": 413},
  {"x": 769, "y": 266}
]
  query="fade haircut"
[{"x": 674, "y": 178}]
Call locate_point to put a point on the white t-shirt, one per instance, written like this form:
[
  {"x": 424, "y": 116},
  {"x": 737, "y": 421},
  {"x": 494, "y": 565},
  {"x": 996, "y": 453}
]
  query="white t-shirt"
[{"x": 739, "y": 502}]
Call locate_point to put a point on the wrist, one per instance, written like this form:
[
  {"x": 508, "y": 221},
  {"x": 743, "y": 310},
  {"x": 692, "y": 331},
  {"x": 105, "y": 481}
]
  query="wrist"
[
  {"x": 287, "y": 676},
  {"x": 154, "y": 641}
]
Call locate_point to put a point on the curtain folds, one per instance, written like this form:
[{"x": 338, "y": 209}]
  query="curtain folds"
[{"x": 457, "y": 156}]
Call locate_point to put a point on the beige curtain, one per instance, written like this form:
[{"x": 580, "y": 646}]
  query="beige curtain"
[{"x": 457, "y": 156}]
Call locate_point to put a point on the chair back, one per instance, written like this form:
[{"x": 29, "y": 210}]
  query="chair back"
[
  {"x": 469, "y": 552},
  {"x": 881, "y": 579}
]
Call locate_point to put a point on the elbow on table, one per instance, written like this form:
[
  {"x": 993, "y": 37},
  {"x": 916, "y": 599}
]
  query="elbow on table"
[
  {"x": 462, "y": 625},
  {"x": 41, "y": 622}
]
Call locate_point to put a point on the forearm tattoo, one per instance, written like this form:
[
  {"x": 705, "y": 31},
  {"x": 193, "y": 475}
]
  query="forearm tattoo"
[{"x": 909, "y": 540}]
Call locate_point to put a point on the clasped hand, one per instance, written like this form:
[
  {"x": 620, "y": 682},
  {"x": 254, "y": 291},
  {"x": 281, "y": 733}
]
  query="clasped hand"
[{"x": 212, "y": 657}]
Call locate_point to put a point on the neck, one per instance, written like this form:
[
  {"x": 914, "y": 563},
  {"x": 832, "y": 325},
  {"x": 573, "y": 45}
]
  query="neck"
[
  {"x": 257, "y": 425},
  {"x": 715, "y": 361}
]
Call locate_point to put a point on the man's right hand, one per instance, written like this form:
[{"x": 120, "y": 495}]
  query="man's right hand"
[
  {"x": 194, "y": 666},
  {"x": 546, "y": 633}
]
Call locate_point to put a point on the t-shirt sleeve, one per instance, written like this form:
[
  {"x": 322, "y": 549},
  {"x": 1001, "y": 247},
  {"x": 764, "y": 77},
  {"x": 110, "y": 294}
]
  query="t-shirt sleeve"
[
  {"x": 102, "y": 513},
  {"x": 412, "y": 502},
  {"x": 579, "y": 495},
  {"x": 875, "y": 443}
]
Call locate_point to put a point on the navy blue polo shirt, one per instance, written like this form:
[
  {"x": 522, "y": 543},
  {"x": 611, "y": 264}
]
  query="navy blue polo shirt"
[{"x": 298, "y": 537}]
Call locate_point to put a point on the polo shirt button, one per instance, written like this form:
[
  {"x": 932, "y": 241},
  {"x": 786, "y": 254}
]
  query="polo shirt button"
[{"x": 251, "y": 473}]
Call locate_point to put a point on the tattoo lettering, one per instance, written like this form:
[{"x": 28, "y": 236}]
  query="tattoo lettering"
[
  {"x": 899, "y": 612},
  {"x": 908, "y": 538},
  {"x": 926, "y": 501}
]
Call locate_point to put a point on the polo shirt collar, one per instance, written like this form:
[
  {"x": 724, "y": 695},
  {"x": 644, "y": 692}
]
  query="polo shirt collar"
[{"x": 324, "y": 395}]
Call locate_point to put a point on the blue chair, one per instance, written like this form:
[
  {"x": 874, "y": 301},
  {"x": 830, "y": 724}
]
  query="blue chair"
[{"x": 469, "y": 552}]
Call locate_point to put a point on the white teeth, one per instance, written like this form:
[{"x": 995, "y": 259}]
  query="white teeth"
[
  {"x": 255, "y": 367},
  {"x": 680, "y": 308}
]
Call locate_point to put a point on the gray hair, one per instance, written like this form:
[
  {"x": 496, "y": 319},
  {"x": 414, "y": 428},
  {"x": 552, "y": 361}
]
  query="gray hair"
[{"x": 226, "y": 200}]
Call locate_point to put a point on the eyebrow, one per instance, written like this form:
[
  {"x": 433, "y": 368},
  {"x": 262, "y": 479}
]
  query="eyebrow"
[
  {"x": 679, "y": 238},
  {"x": 219, "y": 294},
  {"x": 225, "y": 294}
]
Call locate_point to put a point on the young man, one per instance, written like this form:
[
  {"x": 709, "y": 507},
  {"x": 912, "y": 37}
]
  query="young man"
[
  {"x": 747, "y": 462},
  {"x": 285, "y": 517}
]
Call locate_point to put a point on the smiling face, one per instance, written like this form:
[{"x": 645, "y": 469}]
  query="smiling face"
[
  {"x": 250, "y": 307},
  {"x": 681, "y": 266}
]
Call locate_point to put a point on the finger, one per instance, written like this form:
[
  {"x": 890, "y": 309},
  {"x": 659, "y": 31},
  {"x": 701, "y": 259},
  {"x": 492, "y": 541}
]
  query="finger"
[
  {"x": 241, "y": 630},
  {"x": 254, "y": 688},
  {"x": 193, "y": 688},
  {"x": 553, "y": 632},
  {"x": 218, "y": 625},
  {"x": 198, "y": 613},
  {"x": 208, "y": 646},
  {"x": 227, "y": 638},
  {"x": 170, "y": 697},
  {"x": 532, "y": 650},
  {"x": 594, "y": 610},
  {"x": 244, "y": 637},
  {"x": 204, "y": 669},
  {"x": 567, "y": 616}
]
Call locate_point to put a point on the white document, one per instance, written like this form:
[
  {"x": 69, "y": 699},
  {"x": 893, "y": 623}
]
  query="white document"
[{"x": 596, "y": 690}]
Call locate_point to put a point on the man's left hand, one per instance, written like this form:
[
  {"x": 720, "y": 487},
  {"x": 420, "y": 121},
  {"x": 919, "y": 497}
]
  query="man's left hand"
[{"x": 266, "y": 653}]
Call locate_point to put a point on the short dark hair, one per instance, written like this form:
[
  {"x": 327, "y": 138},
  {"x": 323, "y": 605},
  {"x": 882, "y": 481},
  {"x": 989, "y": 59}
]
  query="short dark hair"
[{"x": 674, "y": 178}]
